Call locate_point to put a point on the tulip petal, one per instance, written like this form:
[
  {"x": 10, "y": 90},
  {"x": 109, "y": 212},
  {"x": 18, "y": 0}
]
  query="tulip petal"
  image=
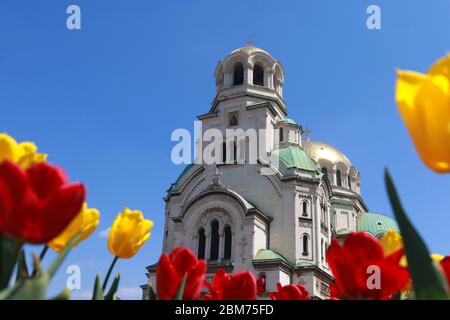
[
  {"x": 59, "y": 210},
  {"x": 15, "y": 181},
  {"x": 433, "y": 117},
  {"x": 8, "y": 148},
  {"x": 194, "y": 281},
  {"x": 46, "y": 179},
  {"x": 183, "y": 260},
  {"x": 362, "y": 246},
  {"x": 340, "y": 263},
  {"x": 391, "y": 242},
  {"x": 441, "y": 67},
  {"x": 408, "y": 83},
  {"x": 167, "y": 280}
]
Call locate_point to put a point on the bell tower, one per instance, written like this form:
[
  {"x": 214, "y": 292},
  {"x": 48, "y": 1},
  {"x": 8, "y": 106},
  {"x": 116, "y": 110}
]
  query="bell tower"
[{"x": 249, "y": 95}]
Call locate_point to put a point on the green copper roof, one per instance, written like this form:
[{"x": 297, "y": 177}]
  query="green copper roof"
[
  {"x": 287, "y": 120},
  {"x": 264, "y": 254},
  {"x": 295, "y": 157},
  {"x": 376, "y": 224}
]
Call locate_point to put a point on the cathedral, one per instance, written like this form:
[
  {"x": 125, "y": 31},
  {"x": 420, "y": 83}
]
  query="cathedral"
[{"x": 237, "y": 215}]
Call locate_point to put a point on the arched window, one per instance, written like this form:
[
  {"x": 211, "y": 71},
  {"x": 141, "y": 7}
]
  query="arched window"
[
  {"x": 235, "y": 150},
  {"x": 228, "y": 242},
  {"x": 321, "y": 249},
  {"x": 305, "y": 245},
  {"x": 201, "y": 243},
  {"x": 325, "y": 171},
  {"x": 349, "y": 182},
  {"x": 233, "y": 120},
  {"x": 258, "y": 75},
  {"x": 224, "y": 152},
  {"x": 281, "y": 134},
  {"x": 338, "y": 178},
  {"x": 238, "y": 77},
  {"x": 305, "y": 208},
  {"x": 214, "y": 253}
]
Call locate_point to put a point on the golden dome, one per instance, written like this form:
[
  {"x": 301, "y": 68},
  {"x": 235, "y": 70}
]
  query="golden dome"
[
  {"x": 318, "y": 150},
  {"x": 250, "y": 50}
]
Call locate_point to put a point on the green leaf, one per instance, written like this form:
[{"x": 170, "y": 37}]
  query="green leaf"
[
  {"x": 30, "y": 289},
  {"x": 62, "y": 255},
  {"x": 180, "y": 292},
  {"x": 22, "y": 268},
  {"x": 427, "y": 280},
  {"x": 112, "y": 291},
  {"x": 9, "y": 250},
  {"x": 98, "y": 292},
  {"x": 64, "y": 295}
]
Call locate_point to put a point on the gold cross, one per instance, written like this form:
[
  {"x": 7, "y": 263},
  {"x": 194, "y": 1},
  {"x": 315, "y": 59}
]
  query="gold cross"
[
  {"x": 307, "y": 132},
  {"x": 250, "y": 41}
]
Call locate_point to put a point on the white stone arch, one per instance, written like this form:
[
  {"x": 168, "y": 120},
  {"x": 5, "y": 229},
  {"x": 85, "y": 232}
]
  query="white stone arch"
[
  {"x": 263, "y": 59},
  {"x": 224, "y": 208},
  {"x": 353, "y": 176},
  {"x": 324, "y": 205},
  {"x": 309, "y": 244},
  {"x": 219, "y": 75},
  {"x": 278, "y": 78},
  {"x": 215, "y": 214},
  {"x": 343, "y": 169},
  {"x": 233, "y": 59},
  {"x": 305, "y": 202},
  {"x": 328, "y": 165}
]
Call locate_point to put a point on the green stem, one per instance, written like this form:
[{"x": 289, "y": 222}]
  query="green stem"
[
  {"x": 111, "y": 267},
  {"x": 9, "y": 250},
  {"x": 41, "y": 257},
  {"x": 43, "y": 252}
]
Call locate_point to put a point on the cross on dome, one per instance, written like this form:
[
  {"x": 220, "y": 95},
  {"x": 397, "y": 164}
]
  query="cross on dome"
[{"x": 250, "y": 41}]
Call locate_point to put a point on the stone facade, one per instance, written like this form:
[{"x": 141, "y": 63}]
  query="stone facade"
[{"x": 237, "y": 216}]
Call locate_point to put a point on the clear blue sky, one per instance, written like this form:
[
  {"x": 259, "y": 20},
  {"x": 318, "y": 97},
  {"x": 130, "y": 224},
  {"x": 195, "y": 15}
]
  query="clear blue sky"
[{"x": 103, "y": 101}]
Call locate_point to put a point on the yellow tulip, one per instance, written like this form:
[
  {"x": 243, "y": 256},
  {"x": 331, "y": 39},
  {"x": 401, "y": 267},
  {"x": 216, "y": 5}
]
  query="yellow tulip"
[
  {"x": 424, "y": 103},
  {"x": 128, "y": 233},
  {"x": 392, "y": 242},
  {"x": 85, "y": 222},
  {"x": 24, "y": 153}
]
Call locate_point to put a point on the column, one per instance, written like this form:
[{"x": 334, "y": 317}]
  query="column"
[{"x": 221, "y": 245}]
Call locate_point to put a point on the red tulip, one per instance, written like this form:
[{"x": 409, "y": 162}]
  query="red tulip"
[
  {"x": 171, "y": 271},
  {"x": 445, "y": 265},
  {"x": 290, "y": 292},
  {"x": 36, "y": 205},
  {"x": 238, "y": 286},
  {"x": 356, "y": 263},
  {"x": 334, "y": 293},
  {"x": 261, "y": 285}
]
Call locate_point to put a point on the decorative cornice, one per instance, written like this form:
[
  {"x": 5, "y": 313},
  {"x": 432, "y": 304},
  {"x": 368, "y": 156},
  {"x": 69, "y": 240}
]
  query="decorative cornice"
[
  {"x": 323, "y": 275},
  {"x": 208, "y": 115},
  {"x": 278, "y": 100}
]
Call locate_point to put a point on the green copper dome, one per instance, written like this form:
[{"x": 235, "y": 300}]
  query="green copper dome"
[
  {"x": 295, "y": 157},
  {"x": 287, "y": 120},
  {"x": 376, "y": 224}
]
